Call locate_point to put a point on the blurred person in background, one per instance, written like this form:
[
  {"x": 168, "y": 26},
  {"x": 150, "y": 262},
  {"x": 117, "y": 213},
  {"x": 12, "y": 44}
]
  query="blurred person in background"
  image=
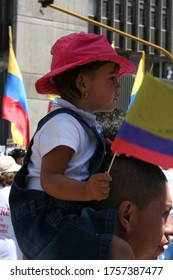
[
  {"x": 9, "y": 249},
  {"x": 18, "y": 155}
]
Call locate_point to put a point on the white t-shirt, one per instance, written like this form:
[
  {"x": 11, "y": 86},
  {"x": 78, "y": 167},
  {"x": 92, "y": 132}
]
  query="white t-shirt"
[
  {"x": 9, "y": 249},
  {"x": 64, "y": 129}
]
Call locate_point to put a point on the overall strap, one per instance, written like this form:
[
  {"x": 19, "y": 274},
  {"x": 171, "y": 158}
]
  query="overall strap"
[{"x": 96, "y": 160}]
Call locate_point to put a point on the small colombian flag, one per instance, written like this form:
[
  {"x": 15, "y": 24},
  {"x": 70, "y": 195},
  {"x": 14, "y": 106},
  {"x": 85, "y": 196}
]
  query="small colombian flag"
[{"x": 147, "y": 130}]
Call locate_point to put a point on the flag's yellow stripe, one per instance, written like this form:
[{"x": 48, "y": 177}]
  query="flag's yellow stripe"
[
  {"x": 13, "y": 67},
  {"x": 152, "y": 109},
  {"x": 17, "y": 136},
  {"x": 139, "y": 75}
]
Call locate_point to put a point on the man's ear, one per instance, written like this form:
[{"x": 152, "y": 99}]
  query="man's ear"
[{"x": 126, "y": 211}]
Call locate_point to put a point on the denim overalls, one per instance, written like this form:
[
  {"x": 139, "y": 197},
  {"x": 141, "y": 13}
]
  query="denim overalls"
[{"x": 53, "y": 229}]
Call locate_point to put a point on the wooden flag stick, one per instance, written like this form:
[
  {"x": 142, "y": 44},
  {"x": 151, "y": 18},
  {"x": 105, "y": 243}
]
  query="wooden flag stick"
[{"x": 112, "y": 161}]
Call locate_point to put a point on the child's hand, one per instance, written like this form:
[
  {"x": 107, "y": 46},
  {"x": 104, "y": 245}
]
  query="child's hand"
[
  {"x": 97, "y": 187},
  {"x": 108, "y": 142}
]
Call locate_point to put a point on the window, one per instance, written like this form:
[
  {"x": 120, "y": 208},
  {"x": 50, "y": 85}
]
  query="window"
[
  {"x": 141, "y": 16},
  {"x": 153, "y": 19},
  {"x": 164, "y": 15},
  {"x": 117, "y": 10},
  {"x": 92, "y": 7},
  {"x": 130, "y": 12},
  {"x": 153, "y": 15},
  {"x": 165, "y": 3},
  {"x": 105, "y": 10},
  {"x": 164, "y": 20}
]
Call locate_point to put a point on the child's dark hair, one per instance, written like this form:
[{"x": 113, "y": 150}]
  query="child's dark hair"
[{"x": 65, "y": 82}]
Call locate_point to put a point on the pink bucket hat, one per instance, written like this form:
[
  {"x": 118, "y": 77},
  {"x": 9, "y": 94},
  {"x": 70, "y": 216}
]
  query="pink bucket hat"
[{"x": 78, "y": 49}]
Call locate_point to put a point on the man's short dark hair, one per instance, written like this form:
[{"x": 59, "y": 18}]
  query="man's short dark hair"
[{"x": 134, "y": 180}]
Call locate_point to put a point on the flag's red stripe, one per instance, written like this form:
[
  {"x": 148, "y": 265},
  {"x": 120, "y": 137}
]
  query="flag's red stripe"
[
  {"x": 122, "y": 147},
  {"x": 13, "y": 112}
]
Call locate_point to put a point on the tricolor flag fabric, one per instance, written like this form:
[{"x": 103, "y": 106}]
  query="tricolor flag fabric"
[
  {"x": 147, "y": 130},
  {"x": 53, "y": 99},
  {"x": 138, "y": 79},
  {"x": 14, "y": 102}
]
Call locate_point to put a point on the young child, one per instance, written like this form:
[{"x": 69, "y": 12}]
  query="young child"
[{"x": 48, "y": 209}]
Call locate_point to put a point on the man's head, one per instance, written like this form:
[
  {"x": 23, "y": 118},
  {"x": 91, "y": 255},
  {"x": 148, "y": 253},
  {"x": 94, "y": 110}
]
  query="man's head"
[
  {"x": 140, "y": 193},
  {"x": 136, "y": 181}
]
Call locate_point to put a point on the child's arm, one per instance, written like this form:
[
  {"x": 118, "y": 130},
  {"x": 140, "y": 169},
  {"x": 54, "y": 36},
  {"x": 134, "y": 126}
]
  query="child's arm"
[{"x": 57, "y": 185}]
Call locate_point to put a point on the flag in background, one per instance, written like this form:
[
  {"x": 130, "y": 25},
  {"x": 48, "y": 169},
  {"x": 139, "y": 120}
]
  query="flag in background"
[
  {"x": 138, "y": 79},
  {"x": 14, "y": 103},
  {"x": 147, "y": 130},
  {"x": 53, "y": 99},
  {"x": 113, "y": 44}
]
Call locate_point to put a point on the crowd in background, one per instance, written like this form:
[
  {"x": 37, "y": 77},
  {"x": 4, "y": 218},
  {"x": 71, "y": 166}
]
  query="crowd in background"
[{"x": 9, "y": 165}]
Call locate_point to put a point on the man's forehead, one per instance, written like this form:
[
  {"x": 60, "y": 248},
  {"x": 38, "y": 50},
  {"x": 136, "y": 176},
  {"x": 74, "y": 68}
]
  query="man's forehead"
[
  {"x": 168, "y": 195},
  {"x": 166, "y": 201},
  {"x": 162, "y": 202}
]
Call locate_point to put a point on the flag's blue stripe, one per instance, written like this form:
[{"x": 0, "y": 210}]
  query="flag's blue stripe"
[
  {"x": 147, "y": 140},
  {"x": 14, "y": 88}
]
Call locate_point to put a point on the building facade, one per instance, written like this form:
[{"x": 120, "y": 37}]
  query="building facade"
[{"x": 35, "y": 29}]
